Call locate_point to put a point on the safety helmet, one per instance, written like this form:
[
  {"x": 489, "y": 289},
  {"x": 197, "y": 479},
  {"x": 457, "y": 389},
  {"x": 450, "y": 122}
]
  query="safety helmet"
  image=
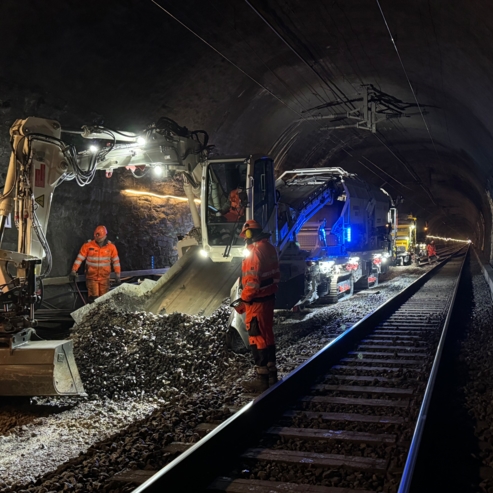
[
  {"x": 100, "y": 232},
  {"x": 250, "y": 224}
]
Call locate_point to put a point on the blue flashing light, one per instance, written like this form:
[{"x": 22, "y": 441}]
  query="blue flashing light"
[{"x": 348, "y": 235}]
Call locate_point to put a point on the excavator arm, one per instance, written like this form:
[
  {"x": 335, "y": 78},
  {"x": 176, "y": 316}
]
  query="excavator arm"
[{"x": 39, "y": 162}]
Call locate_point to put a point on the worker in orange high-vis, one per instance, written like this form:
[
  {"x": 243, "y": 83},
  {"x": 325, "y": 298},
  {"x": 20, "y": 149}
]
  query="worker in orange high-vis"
[
  {"x": 99, "y": 254},
  {"x": 237, "y": 203},
  {"x": 260, "y": 280}
]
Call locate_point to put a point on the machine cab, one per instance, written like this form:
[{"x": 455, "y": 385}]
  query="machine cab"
[{"x": 235, "y": 190}]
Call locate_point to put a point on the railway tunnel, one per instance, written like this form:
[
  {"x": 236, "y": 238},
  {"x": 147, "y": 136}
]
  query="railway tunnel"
[
  {"x": 398, "y": 93},
  {"x": 275, "y": 79}
]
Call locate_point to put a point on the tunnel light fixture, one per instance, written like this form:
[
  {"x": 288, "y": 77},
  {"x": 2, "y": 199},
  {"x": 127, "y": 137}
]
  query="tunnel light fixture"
[
  {"x": 93, "y": 149},
  {"x": 447, "y": 239},
  {"x": 151, "y": 194}
]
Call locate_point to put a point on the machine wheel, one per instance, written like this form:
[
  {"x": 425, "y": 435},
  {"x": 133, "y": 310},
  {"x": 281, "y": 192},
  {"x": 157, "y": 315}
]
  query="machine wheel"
[
  {"x": 332, "y": 295},
  {"x": 373, "y": 284},
  {"x": 322, "y": 289},
  {"x": 342, "y": 295}
]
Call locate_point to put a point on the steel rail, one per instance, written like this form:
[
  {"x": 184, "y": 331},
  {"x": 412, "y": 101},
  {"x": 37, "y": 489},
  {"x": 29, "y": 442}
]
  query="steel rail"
[
  {"x": 412, "y": 455},
  {"x": 218, "y": 452}
]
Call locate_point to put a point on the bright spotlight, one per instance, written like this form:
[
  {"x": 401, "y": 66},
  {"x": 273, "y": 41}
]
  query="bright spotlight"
[
  {"x": 203, "y": 253},
  {"x": 93, "y": 149},
  {"x": 158, "y": 170},
  {"x": 141, "y": 141},
  {"x": 246, "y": 252}
]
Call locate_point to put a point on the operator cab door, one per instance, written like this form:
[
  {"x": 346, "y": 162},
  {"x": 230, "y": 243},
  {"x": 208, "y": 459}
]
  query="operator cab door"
[
  {"x": 225, "y": 206},
  {"x": 235, "y": 190},
  {"x": 264, "y": 196}
]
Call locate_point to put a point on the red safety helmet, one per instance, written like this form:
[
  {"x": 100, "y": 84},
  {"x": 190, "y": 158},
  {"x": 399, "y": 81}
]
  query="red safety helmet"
[
  {"x": 250, "y": 224},
  {"x": 100, "y": 232}
]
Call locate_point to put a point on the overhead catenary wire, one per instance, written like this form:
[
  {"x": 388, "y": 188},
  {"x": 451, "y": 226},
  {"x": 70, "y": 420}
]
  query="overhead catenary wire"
[
  {"x": 405, "y": 73},
  {"x": 226, "y": 58},
  {"x": 302, "y": 117},
  {"x": 338, "y": 93}
]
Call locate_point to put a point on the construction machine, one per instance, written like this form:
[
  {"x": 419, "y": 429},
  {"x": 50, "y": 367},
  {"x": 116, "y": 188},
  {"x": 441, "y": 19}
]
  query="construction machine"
[
  {"x": 405, "y": 242},
  {"x": 40, "y": 161},
  {"x": 331, "y": 230}
]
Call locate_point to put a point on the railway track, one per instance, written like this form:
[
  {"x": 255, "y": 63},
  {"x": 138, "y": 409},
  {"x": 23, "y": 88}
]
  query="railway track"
[{"x": 350, "y": 419}]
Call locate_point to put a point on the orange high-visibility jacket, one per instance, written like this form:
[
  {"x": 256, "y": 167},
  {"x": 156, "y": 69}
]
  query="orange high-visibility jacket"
[
  {"x": 98, "y": 260},
  {"x": 260, "y": 271},
  {"x": 431, "y": 250}
]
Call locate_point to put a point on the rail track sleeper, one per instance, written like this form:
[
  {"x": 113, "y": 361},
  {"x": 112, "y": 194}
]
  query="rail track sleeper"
[
  {"x": 230, "y": 485},
  {"x": 362, "y": 378},
  {"x": 371, "y": 368},
  {"x": 397, "y": 343},
  {"x": 391, "y": 346},
  {"x": 368, "y": 389},
  {"x": 322, "y": 434},
  {"x": 397, "y": 336},
  {"x": 355, "y": 401},
  {"x": 388, "y": 361},
  {"x": 408, "y": 328},
  {"x": 314, "y": 459},
  {"x": 399, "y": 355},
  {"x": 353, "y": 417},
  {"x": 177, "y": 447}
]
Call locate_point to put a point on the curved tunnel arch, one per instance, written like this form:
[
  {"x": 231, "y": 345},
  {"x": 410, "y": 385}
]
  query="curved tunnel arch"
[{"x": 131, "y": 63}]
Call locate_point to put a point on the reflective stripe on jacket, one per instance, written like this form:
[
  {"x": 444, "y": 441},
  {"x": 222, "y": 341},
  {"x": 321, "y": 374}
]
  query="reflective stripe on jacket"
[
  {"x": 98, "y": 260},
  {"x": 260, "y": 271}
]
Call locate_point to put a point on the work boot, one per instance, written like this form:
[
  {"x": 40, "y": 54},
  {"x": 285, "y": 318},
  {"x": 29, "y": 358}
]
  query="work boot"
[
  {"x": 272, "y": 374},
  {"x": 260, "y": 383}
]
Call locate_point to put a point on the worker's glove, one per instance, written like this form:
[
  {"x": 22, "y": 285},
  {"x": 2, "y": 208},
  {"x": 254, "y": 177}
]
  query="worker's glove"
[
  {"x": 239, "y": 305},
  {"x": 118, "y": 281},
  {"x": 73, "y": 276}
]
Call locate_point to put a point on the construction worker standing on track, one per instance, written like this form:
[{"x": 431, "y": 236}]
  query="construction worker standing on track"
[
  {"x": 260, "y": 281},
  {"x": 431, "y": 250},
  {"x": 99, "y": 255}
]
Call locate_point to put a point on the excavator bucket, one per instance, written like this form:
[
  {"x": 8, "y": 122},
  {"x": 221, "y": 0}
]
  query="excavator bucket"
[
  {"x": 198, "y": 286},
  {"x": 193, "y": 285},
  {"x": 39, "y": 368}
]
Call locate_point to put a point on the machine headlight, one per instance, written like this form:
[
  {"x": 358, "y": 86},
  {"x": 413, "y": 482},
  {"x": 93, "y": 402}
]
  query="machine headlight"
[
  {"x": 203, "y": 253},
  {"x": 141, "y": 141},
  {"x": 158, "y": 170},
  {"x": 326, "y": 266}
]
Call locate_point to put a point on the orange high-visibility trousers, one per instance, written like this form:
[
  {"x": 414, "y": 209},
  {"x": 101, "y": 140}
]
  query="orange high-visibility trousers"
[{"x": 95, "y": 288}]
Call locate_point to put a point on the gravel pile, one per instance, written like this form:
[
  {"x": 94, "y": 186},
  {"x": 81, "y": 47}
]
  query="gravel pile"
[
  {"x": 179, "y": 375},
  {"x": 127, "y": 355}
]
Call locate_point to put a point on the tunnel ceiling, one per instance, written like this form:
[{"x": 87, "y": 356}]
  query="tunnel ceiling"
[{"x": 280, "y": 77}]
